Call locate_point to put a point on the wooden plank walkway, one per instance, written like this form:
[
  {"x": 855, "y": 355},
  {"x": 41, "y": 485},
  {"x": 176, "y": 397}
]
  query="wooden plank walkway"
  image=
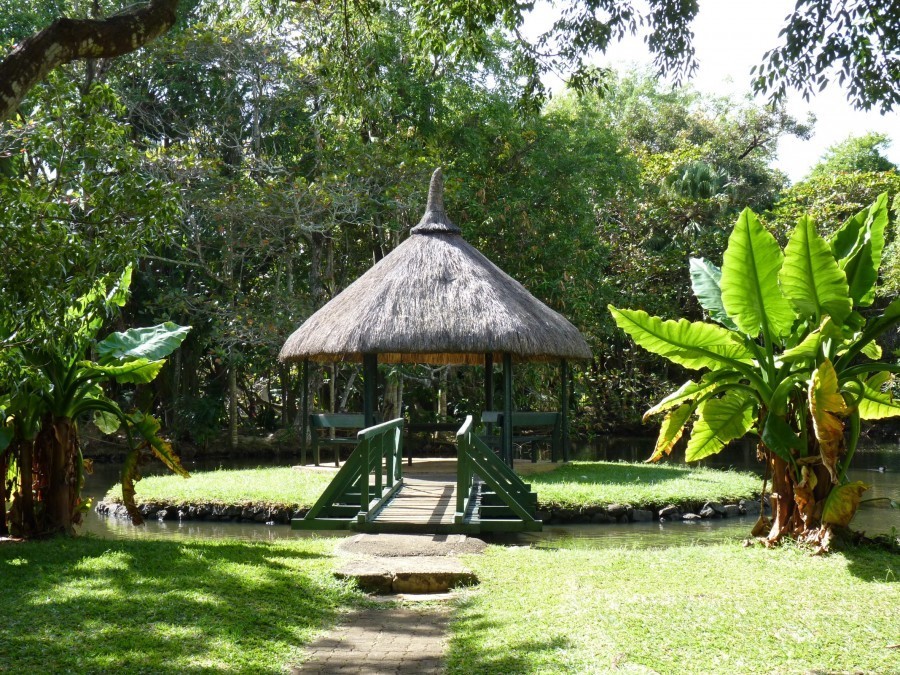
[{"x": 424, "y": 500}]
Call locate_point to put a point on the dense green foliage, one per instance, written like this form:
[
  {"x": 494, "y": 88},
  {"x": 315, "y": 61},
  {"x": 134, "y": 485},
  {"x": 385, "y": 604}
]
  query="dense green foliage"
[
  {"x": 247, "y": 174},
  {"x": 165, "y": 606},
  {"x": 789, "y": 357},
  {"x": 857, "y": 154},
  {"x": 683, "y": 609},
  {"x": 57, "y": 377}
]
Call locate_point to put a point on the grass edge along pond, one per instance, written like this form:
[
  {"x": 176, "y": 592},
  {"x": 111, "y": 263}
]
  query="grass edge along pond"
[
  {"x": 686, "y": 609},
  {"x": 571, "y": 485}
]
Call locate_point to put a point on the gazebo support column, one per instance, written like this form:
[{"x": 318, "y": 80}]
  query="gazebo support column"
[
  {"x": 506, "y": 445},
  {"x": 488, "y": 382},
  {"x": 304, "y": 407},
  {"x": 370, "y": 388},
  {"x": 564, "y": 409}
]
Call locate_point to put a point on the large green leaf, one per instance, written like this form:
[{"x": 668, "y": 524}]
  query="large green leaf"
[
  {"x": 670, "y": 431},
  {"x": 139, "y": 371},
  {"x": 750, "y": 292},
  {"x": 842, "y": 502},
  {"x": 148, "y": 428},
  {"x": 809, "y": 346},
  {"x": 7, "y": 433},
  {"x": 690, "y": 391},
  {"x": 721, "y": 420},
  {"x": 857, "y": 245},
  {"x": 107, "y": 422},
  {"x": 153, "y": 343},
  {"x": 685, "y": 392},
  {"x": 811, "y": 278},
  {"x": 692, "y": 345},
  {"x": 875, "y": 404},
  {"x": 826, "y": 406},
  {"x": 705, "y": 281},
  {"x": 118, "y": 294},
  {"x": 780, "y": 438}
]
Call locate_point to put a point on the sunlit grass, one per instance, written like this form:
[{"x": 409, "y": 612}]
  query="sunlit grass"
[
  {"x": 579, "y": 484},
  {"x": 279, "y": 486},
  {"x": 163, "y": 606},
  {"x": 683, "y": 610},
  {"x": 572, "y": 485}
]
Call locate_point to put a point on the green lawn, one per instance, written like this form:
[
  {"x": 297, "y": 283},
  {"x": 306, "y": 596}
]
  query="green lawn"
[
  {"x": 580, "y": 484},
  {"x": 693, "y": 609},
  {"x": 176, "y": 606},
  {"x": 161, "y": 606},
  {"x": 278, "y": 486}
]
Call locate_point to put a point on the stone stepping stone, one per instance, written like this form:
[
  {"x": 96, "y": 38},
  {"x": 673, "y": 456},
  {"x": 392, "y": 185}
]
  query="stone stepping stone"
[
  {"x": 412, "y": 574},
  {"x": 411, "y": 545}
]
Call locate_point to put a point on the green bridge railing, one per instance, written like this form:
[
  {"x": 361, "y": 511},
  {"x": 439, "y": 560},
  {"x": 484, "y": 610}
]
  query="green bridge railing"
[
  {"x": 365, "y": 483},
  {"x": 476, "y": 458}
]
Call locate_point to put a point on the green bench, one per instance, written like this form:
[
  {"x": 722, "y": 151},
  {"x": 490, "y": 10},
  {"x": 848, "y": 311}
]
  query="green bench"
[
  {"x": 529, "y": 428},
  {"x": 324, "y": 427}
]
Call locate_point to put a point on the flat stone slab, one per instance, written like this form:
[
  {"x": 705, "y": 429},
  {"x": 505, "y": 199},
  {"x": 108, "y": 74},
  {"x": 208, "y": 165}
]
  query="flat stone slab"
[
  {"x": 411, "y": 545},
  {"x": 415, "y": 574}
]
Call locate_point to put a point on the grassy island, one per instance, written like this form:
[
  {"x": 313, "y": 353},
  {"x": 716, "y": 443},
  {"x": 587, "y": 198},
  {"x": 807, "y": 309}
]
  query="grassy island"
[
  {"x": 277, "y": 487},
  {"x": 576, "y": 485},
  {"x": 590, "y": 484}
]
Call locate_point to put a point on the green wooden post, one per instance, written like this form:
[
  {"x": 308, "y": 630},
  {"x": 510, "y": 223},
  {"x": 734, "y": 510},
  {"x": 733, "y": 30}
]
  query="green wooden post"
[
  {"x": 488, "y": 381},
  {"x": 364, "y": 480},
  {"x": 564, "y": 409},
  {"x": 378, "y": 482},
  {"x": 304, "y": 422},
  {"x": 506, "y": 443},
  {"x": 370, "y": 388},
  {"x": 489, "y": 388}
]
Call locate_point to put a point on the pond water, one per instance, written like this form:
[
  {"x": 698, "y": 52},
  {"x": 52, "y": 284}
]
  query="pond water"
[{"x": 875, "y": 465}]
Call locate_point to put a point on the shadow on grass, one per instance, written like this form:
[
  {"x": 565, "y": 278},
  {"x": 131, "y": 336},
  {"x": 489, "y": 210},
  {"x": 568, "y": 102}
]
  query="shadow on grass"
[
  {"x": 610, "y": 473},
  {"x": 872, "y": 564},
  {"x": 470, "y": 648},
  {"x": 90, "y": 605}
]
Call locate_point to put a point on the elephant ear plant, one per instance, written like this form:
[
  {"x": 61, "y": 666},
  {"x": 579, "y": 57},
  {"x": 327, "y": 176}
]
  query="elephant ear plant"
[
  {"x": 55, "y": 385},
  {"x": 792, "y": 357}
]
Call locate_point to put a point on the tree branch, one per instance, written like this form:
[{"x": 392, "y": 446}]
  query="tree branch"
[{"x": 67, "y": 40}]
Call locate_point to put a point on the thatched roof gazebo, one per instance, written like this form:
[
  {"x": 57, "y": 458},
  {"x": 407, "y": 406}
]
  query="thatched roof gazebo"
[{"x": 436, "y": 299}]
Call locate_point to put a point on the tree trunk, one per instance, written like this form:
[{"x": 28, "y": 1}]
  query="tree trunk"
[
  {"x": 58, "y": 441},
  {"x": 67, "y": 40},
  {"x": 442, "y": 394},
  {"x": 4, "y": 529},
  {"x": 232, "y": 406},
  {"x": 798, "y": 507}
]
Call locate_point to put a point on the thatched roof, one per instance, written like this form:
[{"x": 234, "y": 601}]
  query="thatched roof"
[{"x": 435, "y": 299}]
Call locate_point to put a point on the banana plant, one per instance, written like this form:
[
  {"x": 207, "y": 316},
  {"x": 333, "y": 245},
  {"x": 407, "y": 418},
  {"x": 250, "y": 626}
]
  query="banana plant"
[
  {"x": 790, "y": 355},
  {"x": 57, "y": 386}
]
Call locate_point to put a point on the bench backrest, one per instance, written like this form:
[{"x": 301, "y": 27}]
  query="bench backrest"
[
  {"x": 522, "y": 419},
  {"x": 338, "y": 421}
]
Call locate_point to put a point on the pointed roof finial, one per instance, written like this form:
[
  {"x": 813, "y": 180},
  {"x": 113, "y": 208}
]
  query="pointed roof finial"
[{"x": 435, "y": 219}]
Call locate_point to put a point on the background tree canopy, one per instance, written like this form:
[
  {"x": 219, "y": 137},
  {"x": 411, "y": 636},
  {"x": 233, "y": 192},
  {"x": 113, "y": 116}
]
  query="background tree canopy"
[
  {"x": 241, "y": 167},
  {"x": 855, "y": 40}
]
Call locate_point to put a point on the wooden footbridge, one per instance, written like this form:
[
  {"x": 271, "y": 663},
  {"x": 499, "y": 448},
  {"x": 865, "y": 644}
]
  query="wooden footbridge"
[{"x": 370, "y": 493}]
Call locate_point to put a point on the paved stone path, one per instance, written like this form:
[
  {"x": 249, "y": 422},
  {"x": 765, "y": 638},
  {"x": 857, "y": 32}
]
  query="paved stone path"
[
  {"x": 376, "y": 641},
  {"x": 410, "y": 640}
]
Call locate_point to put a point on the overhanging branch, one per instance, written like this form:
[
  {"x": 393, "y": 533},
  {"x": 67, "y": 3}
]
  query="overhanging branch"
[{"x": 67, "y": 40}]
